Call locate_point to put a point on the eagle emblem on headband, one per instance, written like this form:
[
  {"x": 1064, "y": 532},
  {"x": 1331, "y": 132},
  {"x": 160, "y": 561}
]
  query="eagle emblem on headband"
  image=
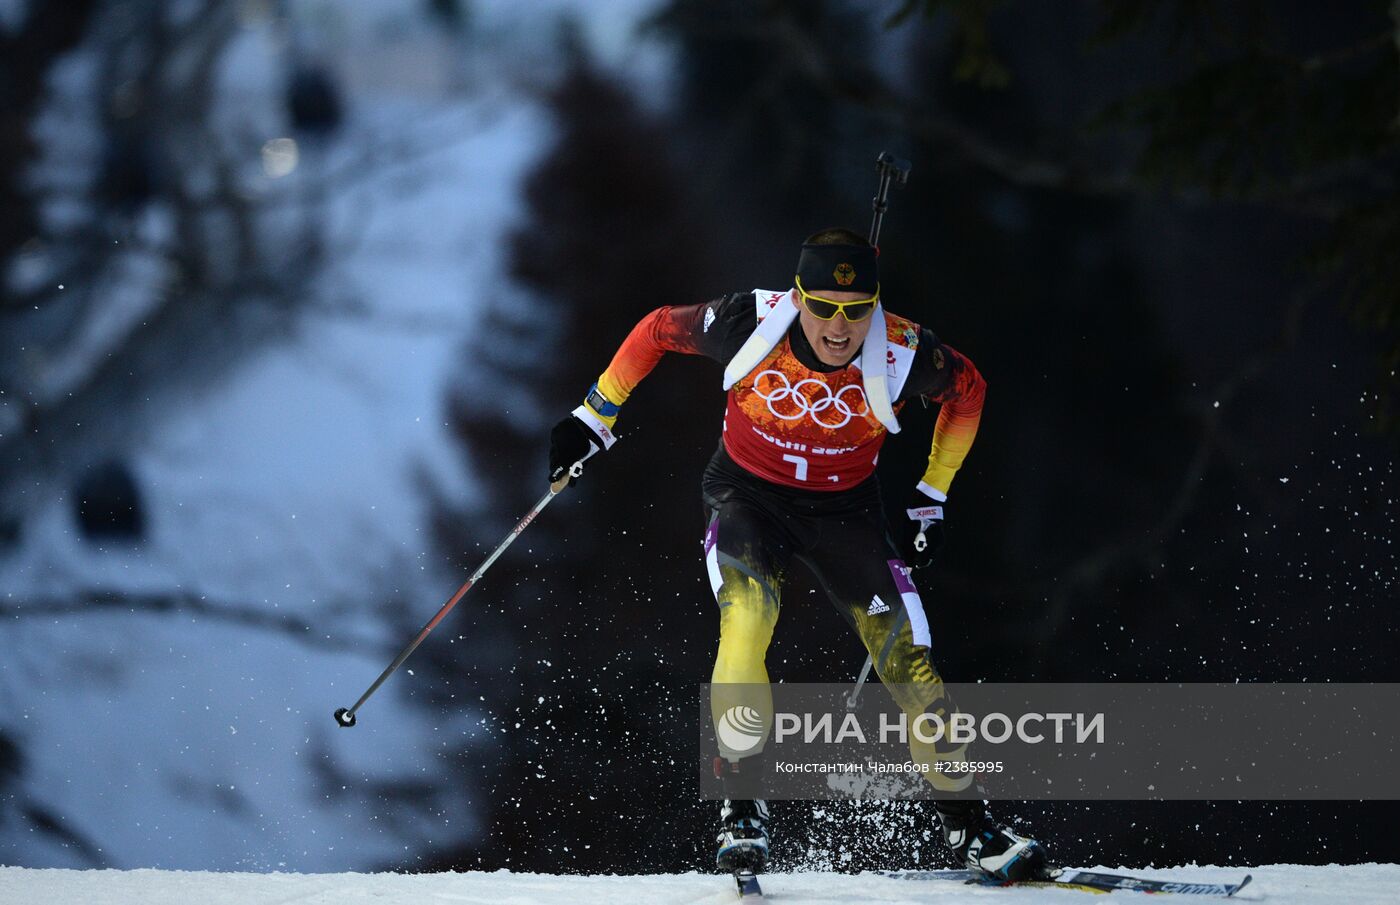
[{"x": 845, "y": 274}]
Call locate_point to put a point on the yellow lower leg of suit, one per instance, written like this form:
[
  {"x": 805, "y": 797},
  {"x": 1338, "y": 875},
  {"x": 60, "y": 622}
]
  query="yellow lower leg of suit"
[
  {"x": 748, "y": 611},
  {"x": 748, "y": 614}
]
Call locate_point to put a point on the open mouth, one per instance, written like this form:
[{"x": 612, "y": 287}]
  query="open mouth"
[{"x": 836, "y": 346}]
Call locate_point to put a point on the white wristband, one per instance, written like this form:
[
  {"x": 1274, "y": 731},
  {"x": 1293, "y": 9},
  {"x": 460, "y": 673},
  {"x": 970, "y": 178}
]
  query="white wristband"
[
  {"x": 932, "y": 492},
  {"x": 592, "y": 422}
]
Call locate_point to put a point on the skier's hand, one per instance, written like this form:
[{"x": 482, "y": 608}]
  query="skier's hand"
[
  {"x": 571, "y": 441},
  {"x": 925, "y": 534}
]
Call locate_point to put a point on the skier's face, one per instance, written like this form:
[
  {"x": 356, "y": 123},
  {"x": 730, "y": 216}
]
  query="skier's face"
[{"x": 836, "y": 341}]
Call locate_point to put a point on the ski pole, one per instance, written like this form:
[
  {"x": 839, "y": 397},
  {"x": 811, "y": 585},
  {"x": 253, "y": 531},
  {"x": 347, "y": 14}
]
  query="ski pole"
[
  {"x": 854, "y": 696},
  {"x": 890, "y": 168},
  {"x": 345, "y": 716}
]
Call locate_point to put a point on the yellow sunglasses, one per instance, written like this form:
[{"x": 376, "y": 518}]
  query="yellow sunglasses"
[{"x": 825, "y": 309}]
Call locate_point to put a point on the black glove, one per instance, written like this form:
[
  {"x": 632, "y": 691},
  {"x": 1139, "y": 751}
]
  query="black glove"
[
  {"x": 925, "y": 534},
  {"x": 571, "y": 441}
]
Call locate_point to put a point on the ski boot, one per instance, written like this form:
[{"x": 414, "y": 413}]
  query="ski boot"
[
  {"x": 985, "y": 846},
  {"x": 743, "y": 833},
  {"x": 743, "y": 836}
]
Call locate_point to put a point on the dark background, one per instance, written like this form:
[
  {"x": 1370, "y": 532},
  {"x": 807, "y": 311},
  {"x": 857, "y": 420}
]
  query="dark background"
[{"x": 1166, "y": 232}]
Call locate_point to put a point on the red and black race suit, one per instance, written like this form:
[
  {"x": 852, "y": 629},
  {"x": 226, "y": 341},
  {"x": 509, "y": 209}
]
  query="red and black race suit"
[{"x": 793, "y": 420}]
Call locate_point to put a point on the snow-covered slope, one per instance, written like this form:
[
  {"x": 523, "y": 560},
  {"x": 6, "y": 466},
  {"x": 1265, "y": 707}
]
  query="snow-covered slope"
[{"x": 1283, "y": 884}]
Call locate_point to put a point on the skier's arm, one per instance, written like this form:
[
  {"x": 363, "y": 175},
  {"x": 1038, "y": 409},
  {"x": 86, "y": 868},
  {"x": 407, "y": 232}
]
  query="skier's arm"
[
  {"x": 714, "y": 329},
  {"x": 957, "y": 424},
  {"x": 946, "y": 376}
]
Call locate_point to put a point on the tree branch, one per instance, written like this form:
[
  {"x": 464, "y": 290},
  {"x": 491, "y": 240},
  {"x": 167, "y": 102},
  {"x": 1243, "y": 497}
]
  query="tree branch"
[
  {"x": 818, "y": 64},
  {"x": 185, "y": 604},
  {"x": 210, "y": 298}
]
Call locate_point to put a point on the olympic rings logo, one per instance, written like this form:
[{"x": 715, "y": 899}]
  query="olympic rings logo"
[{"x": 800, "y": 402}]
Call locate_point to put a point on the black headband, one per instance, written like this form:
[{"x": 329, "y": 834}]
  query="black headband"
[{"x": 838, "y": 268}]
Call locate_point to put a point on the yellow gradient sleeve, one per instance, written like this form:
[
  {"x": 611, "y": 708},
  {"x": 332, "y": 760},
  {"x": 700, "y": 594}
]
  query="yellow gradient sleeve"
[{"x": 957, "y": 422}]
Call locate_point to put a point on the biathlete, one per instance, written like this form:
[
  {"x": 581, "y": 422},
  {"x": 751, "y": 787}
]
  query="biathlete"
[{"x": 815, "y": 376}]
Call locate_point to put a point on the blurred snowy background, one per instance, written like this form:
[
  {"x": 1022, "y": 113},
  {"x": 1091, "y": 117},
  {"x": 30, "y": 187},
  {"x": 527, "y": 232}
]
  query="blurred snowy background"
[
  {"x": 292, "y": 290},
  {"x": 263, "y": 240}
]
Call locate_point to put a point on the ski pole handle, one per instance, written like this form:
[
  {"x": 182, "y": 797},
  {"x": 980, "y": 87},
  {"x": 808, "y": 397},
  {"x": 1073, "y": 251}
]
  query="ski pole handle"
[{"x": 574, "y": 471}]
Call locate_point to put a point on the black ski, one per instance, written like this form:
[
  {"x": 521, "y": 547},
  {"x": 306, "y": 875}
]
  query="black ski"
[
  {"x": 1083, "y": 880},
  {"x": 747, "y": 883}
]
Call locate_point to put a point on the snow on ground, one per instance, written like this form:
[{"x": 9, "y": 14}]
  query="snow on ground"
[
  {"x": 1283, "y": 884},
  {"x": 198, "y": 771}
]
